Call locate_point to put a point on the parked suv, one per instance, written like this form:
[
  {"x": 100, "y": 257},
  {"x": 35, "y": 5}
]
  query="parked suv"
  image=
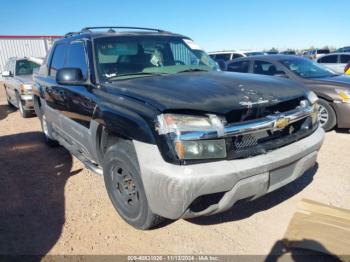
[
  {"x": 172, "y": 135},
  {"x": 17, "y": 80},
  {"x": 335, "y": 61}
]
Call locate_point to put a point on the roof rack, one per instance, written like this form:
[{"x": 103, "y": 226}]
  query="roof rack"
[
  {"x": 111, "y": 29},
  {"x": 88, "y": 29}
]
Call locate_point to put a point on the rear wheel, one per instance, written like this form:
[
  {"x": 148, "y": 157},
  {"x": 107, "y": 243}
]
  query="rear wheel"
[
  {"x": 125, "y": 188},
  {"x": 326, "y": 115}
]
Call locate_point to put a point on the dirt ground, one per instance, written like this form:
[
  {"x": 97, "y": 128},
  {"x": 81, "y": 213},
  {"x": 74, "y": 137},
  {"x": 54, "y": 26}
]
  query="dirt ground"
[{"x": 50, "y": 204}]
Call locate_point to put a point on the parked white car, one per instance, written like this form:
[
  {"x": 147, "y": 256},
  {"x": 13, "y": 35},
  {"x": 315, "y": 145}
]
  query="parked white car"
[
  {"x": 229, "y": 55},
  {"x": 335, "y": 61}
]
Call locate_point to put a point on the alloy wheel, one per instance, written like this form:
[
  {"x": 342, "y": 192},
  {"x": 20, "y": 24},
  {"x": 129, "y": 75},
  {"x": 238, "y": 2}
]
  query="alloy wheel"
[{"x": 323, "y": 115}]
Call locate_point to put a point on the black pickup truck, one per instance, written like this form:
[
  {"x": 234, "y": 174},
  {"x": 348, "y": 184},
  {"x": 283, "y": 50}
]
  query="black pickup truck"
[{"x": 173, "y": 136}]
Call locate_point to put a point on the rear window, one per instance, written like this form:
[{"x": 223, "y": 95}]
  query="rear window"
[
  {"x": 224, "y": 57},
  {"x": 344, "y": 59},
  {"x": 239, "y": 66}
]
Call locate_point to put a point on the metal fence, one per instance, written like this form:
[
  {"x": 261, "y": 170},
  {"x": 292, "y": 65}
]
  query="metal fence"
[{"x": 20, "y": 46}]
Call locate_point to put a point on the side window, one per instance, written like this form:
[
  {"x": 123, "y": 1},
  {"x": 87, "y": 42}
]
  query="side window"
[
  {"x": 234, "y": 56},
  {"x": 224, "y": 57},
  {"x": 330, "y": 59},
  {"x": 240, "y": 66},
  {"x": 57, "y": 60},
  {"x": 76, "y": 58},
  {"x": 267, "y": 68},
  {"x": 344, "y": 59}
]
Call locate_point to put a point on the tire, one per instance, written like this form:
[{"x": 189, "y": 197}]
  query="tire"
[
  {"x": 125, "y": 188},
  {"x": 24, "y": 113},
  {"x": 326, "y": 115},
  {"x": 47, "y": 131}
]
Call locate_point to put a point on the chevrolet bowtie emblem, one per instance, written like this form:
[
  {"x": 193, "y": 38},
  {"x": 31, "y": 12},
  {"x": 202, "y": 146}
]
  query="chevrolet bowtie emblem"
[{"x": 281, "y": 123}]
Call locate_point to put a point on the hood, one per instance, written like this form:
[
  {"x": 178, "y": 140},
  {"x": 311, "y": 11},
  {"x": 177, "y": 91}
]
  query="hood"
[
  {"x": 332, "y": 82},
  {"x": 216, "y": 92},
  {"x": 25, "y": 79}
]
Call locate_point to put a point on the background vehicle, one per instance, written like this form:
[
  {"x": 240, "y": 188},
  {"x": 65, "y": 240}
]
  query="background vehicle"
[
  {"x": 316, "y": 53},
  {"x": 345, "y": 49},
  {"x": 229, "y": 55},
  {"x": 271, "y": 52},
  {"x": 168, "y": 130},
  {"x": 335, "y": 61},
  {"x": 17, "y": 80},
  {"x": 333, "y": 90},
  {"x": 288, "y": 52}
]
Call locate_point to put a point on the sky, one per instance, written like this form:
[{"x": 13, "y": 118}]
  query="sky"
[{"x": 214, "y": 25}]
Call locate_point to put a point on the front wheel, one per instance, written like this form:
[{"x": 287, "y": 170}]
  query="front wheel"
[
  {"x": 24, "y": 112},
  {"x": 125, "y": 188},
  {"x": 326, "y": 115},
  {"x": 47, "y": 130}
]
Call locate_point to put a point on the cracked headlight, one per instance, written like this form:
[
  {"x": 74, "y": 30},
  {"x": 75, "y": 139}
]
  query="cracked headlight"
[{"x": 194, "y": 128}]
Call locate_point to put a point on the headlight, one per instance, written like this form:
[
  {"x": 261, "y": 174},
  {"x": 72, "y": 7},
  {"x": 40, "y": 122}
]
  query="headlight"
[
  {"x": 344, "y": 95},
  {"x": 312, "y": 97},
  {"x": 193, "y": 148},
  {"x": 202, "y": 149},
  {"x": 177, "y": 123},
  {"x": 26, "y": 88}
]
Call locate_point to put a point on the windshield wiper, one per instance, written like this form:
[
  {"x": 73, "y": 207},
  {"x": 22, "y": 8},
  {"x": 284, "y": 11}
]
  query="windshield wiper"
[
  {"x": 193, "y": 70},
  {"x": 112, "y": 76}
]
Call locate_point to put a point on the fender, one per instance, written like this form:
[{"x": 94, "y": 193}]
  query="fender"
[{"x": 131, "y": 122}]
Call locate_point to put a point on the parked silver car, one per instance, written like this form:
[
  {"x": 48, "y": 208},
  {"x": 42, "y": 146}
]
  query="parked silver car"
[
  {"x": 17, "y": 80},
  {"x": 335, "y": 61}
]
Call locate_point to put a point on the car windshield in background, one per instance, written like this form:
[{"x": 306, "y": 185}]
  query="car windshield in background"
[
  {"x": 25, "y": 67},
  {"x": 254, "y": 53},
  {"x": 306, "y": 68},
  {"x": 139, "y": 56}
]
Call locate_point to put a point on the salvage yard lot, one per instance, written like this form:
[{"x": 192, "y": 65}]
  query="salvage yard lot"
[{"x": 50, "y": 204}]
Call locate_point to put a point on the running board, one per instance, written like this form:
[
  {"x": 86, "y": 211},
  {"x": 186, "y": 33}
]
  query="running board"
[{"x": 87, "y": 163}]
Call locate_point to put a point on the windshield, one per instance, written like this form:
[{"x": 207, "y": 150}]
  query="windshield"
[
  {"x": 306, "y": 68},
  {"x": 140, "y": 56},
  {"x": 25, "y": 67}
]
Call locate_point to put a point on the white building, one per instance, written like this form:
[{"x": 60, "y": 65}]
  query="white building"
[{"x": 20, "y": 46}]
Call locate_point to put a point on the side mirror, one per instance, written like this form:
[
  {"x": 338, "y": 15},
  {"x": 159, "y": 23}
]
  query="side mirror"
[
  {"x": 222, "y": 64},
  {"x": 6, "y": 73},
  {"x": 70, "y": 76}
]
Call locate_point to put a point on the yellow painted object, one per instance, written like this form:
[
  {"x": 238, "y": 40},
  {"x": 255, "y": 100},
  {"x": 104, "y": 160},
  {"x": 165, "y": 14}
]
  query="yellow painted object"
[{"x": 348, "y": 72}]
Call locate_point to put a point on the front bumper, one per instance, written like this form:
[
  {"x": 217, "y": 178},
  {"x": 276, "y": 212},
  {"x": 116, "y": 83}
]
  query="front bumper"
[
  {"x": 27, "y": 102},
  {"x": 343, "y": 114},
  {"x": 170, "y": 189}
]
